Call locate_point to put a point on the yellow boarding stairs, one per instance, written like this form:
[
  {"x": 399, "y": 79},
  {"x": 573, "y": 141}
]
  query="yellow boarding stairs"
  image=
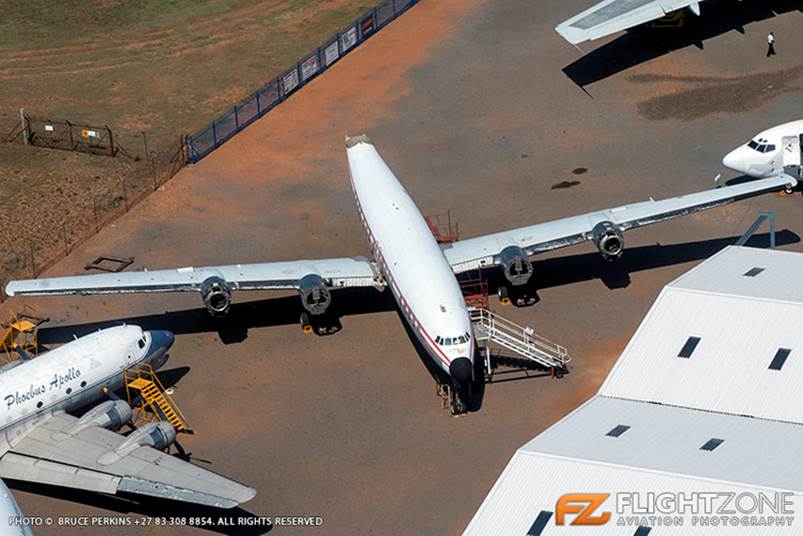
[
  {"x": 20, "y": 332},
  {"x": 142, "y": 380}
]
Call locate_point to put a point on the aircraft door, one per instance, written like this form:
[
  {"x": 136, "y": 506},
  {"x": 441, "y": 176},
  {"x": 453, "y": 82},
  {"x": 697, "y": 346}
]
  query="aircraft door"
[{"x": 791, "y": 155}]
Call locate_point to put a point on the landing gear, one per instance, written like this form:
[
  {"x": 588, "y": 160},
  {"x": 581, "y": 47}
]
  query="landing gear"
[
  {"x": 323, "y": 324},
  {"x": 451, "y": 397},
  {"x": 788, "y": 190},
  {"x": 520, "y": 296}
]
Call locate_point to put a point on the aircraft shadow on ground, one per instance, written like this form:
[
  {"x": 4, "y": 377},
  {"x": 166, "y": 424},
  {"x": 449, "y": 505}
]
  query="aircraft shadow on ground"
[
  {"x": 552, "y": 272},
  {"x": 137, "y": 505},
  {"x": 642, "y": 44},
  {"x": 568, "y": 269}
]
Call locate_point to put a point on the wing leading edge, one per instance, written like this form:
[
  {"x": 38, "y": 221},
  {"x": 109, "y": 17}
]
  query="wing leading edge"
[
  {"x": 336, "y": 273},
  {"x": 474, "y": 253},
  {"x": 611, "y": 16}
]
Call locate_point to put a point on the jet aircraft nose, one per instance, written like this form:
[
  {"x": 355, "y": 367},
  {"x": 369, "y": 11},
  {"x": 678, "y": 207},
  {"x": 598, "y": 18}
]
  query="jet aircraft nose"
[
  {"x": 460, "y": 369},
  {"x": 736, "y": 160},
  {"x": 161, "y": 341}
]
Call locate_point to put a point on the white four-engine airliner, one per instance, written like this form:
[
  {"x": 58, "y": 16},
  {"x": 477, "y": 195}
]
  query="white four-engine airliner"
[
  {"x": 420, "y": 272},
  {"x": 770, "y": 152},
  {"x": 40, "y": 441}
]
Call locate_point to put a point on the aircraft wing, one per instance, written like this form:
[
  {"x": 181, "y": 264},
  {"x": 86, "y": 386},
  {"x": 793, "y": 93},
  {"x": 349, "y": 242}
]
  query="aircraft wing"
[
  {"x": 474, "y": 253},
  {"x": 335, "y": 273},
  {"x": 611, "y": 16},
  {"x": 51, "y": 453}
]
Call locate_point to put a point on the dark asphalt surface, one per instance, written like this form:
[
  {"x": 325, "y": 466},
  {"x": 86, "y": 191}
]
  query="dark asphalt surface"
[{"x": 478, "y": 117}]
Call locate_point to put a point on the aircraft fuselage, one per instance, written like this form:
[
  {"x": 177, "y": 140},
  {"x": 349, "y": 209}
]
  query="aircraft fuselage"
[{"x": 416, "y": 270}]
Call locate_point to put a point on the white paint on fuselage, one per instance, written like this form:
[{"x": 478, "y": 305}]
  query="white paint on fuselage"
[
  {"x": 757, "y": 161},
  {"x": 68, "y": 377},
  {"x": 415, "y": 268}
]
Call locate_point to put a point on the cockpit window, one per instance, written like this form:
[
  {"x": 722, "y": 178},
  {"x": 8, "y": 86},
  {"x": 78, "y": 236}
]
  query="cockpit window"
[
  {"x": 761, "y": 145},
  {"x": 753, "y": 144},
  {"x": 449, "y": 341},
  {"x": 769, "y": 148},
  {"x": 141, "y": 342}
]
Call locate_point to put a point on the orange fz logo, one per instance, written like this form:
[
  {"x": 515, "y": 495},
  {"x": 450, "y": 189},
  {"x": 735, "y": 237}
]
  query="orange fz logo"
[{"x": 583, "y": 506}]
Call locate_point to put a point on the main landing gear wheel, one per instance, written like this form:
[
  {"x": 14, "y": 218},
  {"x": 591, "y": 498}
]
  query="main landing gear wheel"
[
  {"x": 788, "y": 190},
  {"x": 457, "y": 406}
]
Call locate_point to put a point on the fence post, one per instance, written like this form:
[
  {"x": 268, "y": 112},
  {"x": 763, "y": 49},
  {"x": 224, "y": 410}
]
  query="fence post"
[
  {"x": 95, "y": 211},
  {"x": 24, "y": 125},
  {"x": 214, "y": 133},
  {"x": 33, "y": 262},
  {"x": 256, "y": 94}
]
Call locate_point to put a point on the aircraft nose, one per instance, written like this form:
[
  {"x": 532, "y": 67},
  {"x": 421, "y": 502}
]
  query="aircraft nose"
[
  {"x": 735, "y": 160},
  {"x": 161, "y": 341},
  {"x": 460, "y": 369}
]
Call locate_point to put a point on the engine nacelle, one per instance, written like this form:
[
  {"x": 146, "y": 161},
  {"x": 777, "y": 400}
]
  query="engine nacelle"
[
  {"x": 158, "y": 435},
  {"x": 515, "y": 265},
  {"x": 216, "y": 295},
  {"x": 111, "y": 415},
  {"x": 609, "y": 240},
  {"x": 315, "y": 297}
]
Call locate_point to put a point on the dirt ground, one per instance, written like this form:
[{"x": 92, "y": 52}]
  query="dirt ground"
[
  {"x": 467, "y": 101},
  {"x": 162, "y": 69}
]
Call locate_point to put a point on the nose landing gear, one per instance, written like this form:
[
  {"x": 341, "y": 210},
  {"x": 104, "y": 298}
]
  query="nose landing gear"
[{"x": 452, "y": 398}]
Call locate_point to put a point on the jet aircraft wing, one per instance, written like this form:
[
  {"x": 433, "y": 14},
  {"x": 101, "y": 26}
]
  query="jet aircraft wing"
[
  {"x": 611, "y": 16},
  {"x": 474, "y": 253},
  {"x": 335, "y": 273},
  {"x": 56, "y": 452}
]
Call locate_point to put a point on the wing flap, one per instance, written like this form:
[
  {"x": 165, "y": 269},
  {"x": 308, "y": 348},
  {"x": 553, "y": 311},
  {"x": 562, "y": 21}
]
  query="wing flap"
[
  {"x": 356, "y": 272},
  {"x": 48, "y": 455},
  {"x": 466, "y": 255}
]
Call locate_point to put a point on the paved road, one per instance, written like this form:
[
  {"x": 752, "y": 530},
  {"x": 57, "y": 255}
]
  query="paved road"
[{"x": 469, "y": 103}]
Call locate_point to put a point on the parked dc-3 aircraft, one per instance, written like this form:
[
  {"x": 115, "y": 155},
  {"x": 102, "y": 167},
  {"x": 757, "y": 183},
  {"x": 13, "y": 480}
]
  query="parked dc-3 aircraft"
[
  {"x": 769, "y": 153},
  {"x": 420, "y": 272},
  {"x": 611, "y": 16},
  {"x": 40, "y": 442}
]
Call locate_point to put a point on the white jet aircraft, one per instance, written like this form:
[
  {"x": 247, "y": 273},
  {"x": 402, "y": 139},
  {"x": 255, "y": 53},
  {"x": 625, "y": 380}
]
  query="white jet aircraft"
[
  {"x": 611, "y": 16},
  {"x": 15, "y": 521},
  {"x": 420, "y": 272},
  {"x": 41, "y": 442},
  {"x": 770, "y": 153}
]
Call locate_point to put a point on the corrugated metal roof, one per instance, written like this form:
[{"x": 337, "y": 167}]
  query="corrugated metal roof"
[
  {"x": 667, "y": 439},
  {"x": 717, "y": 362},
  {"x": 534, "y": 482},
  {"x": 724, "y": 274},
  {"x": 739, "y": 336}
]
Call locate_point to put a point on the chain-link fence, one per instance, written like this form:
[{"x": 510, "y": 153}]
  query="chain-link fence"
[
  {"x": 39, "y": 239},
  {"x": 268, "y": 97},
  {"x": 68, "y": 136}
]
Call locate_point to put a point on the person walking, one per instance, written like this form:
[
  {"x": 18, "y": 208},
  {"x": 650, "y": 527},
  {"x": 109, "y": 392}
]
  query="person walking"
[{"x": 770, "y": 44}]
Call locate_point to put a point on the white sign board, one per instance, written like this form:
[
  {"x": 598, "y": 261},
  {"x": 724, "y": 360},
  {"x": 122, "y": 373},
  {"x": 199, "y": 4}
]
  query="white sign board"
[
  {"x": 309, "y": 67},
  {"x": 290, "y": 81},
  {"x": 330, "y": 54},
  {"x": 348, "y": 38},
  {"x": 49, "y": 128}
]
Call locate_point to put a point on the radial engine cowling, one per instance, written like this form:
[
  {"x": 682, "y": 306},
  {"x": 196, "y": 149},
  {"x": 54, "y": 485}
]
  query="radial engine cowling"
[
  {"x": 515, "y": 265},
  {"x": 216, "y": 295},
  {"x": 609, "y": 240},
  {"x": 158, "y": 435},
  {"x": 315, "y": 297},
  {"x": 111, "y": 415}
]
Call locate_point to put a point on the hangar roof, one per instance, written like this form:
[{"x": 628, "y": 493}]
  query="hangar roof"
[{"x": 703, "y": 399}]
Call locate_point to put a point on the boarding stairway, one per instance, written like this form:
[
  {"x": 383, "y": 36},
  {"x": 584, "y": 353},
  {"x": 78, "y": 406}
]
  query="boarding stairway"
[
  {"x": 491, "y": 329},
  {"x": 142, "y": 380}
]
